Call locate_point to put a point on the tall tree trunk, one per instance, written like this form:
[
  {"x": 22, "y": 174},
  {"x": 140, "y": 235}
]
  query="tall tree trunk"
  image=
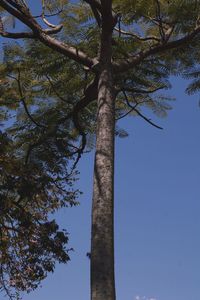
[
  {"x": 102, "y": 251},
  {"x": 102, "y": 248}
]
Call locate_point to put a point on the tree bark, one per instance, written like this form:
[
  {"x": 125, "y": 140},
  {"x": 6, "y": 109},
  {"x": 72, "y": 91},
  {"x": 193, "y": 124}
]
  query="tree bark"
[
  {"x": 102, "y": 248},
  {"x": 102, "y": 251}
]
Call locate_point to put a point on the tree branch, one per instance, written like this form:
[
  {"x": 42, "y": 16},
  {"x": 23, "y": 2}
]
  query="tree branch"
[
  {"x": 96, "y": 9},
  {"x": 126, "y": 114},
  {"x": 22, "y": 98},
  {"x": 89, "y": 96},
  {"x": 128, "y": 63},
  {"x": 44, "y": 17},
  {"x": 43, "y": 35},
  {"x": 141, "y": 91},
  {"x": 20, "y": 35},
  {"x": 49, "y": 15},
  {"x": 148, "y": 38},
  {"x": 133, "y": 108},
  {"x": 108, "y": 19},
  {"x": 160, "y": 23},
  {"x": 25, "y": 17},
  {"x": 106, "y": 6},
  {"x": 55, "y": 91}
]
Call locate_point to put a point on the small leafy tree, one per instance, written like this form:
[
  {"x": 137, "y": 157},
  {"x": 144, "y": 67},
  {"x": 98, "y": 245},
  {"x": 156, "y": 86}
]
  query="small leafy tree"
[{"x": 107, "y": 59}]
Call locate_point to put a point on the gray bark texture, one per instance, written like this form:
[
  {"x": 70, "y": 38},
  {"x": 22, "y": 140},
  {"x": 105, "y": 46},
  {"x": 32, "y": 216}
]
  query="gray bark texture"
[
  {"x": 102, "y": 252},
  {"x": 102, "y": 248}
]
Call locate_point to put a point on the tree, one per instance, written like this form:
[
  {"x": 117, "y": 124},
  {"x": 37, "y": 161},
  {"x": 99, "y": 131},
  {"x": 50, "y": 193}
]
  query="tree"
[{"x": 126, "y": 51}]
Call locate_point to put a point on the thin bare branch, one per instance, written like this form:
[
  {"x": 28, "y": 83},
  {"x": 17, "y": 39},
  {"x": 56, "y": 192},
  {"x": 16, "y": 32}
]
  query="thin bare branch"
[
  {"x": 49, "y": 15},
  {"x": 141, "y": 91},
  {"x": 127, "y": 33},
  {"x": 126, "y": 114},
  {"x": 22, "y": 98},
  {"x": 133, "y": 108},
  {"x": 55, "y": 91},
  {"x": 20, "y": 35},
  {"x": 44, "y": 17}
]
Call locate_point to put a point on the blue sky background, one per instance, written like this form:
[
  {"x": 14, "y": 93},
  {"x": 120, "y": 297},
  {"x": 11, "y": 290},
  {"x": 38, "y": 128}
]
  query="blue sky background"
[{"x": 157, "y": 209}]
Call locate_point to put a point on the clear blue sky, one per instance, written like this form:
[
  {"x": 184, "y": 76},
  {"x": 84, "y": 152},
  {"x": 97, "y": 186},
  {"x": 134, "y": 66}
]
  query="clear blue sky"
[{"x": 157, "y": 209}]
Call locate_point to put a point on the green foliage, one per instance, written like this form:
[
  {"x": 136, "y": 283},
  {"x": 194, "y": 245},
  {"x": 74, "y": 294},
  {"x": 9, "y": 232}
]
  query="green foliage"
[
  {"x": 36, "y": 164},
  {"x": 31, "y": 243}
]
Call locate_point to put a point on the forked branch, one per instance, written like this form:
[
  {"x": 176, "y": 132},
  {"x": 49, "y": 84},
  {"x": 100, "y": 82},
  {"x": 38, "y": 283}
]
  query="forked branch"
[{"x": 23, "y": 14}]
